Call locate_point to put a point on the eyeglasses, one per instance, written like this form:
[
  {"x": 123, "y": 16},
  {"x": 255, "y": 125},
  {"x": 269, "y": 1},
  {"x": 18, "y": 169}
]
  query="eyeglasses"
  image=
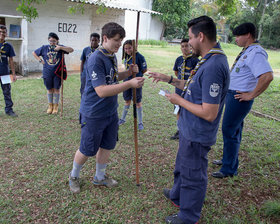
[{"x": 4, "y": 32}]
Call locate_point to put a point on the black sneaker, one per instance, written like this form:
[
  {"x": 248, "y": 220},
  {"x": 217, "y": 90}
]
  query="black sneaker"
[
  {"x": 12, "y": 114},
  {"x": 173, "y": 219},
  {"x": 175, "y": 136},
  {"x": 166, "y": 193}
]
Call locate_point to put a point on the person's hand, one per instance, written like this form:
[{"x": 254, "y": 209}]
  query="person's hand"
[
  {"x": 173, "y": 98},
  {"x": 42, "y": 62},
  {"x": 137, "y": 82},
  {"x": 14, "y": 77},
  {"x": 158, "y": 77},
  {"x": 57, "y": 48},
  {"x": 241, "y": 96},
  {"x": 133, "y": 69}
]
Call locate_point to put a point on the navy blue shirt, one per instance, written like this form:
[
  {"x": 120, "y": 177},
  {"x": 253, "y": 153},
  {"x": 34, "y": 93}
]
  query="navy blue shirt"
[
  {"x": 7, "y": 50},
  {"x": 87, "y": 51},
  {"x": 99, "y": 71},
  {"x": 189, "y": 65},
  {"x": 140, "y": 61},
  {"x": 209, "y": 85},
  {"x": 51, "y": 58}
]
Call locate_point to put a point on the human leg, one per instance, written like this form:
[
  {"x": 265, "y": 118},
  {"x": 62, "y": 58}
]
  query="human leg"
[
  {"x": 125, "y": 111},
  {"x": 235, "y": 113},
  {"x": 108, "y": 142},
  {"x": 6, "y": 88},
  {"x": 190, "y": 179},
  {"x": 139, "y": 108}
]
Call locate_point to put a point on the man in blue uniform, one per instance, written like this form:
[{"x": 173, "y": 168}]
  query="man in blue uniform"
[
  {"x": 98, "y": 111},
  {"x": 182, "y": 68},
  {"x": 94, "y": 43},
  {"x": 7, "y": 51},
  {"x": 201, "y": 108},
  {"x": 250, "y": 75}
]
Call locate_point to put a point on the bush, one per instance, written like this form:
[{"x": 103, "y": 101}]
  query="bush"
[{"x": 153, "y": 42}]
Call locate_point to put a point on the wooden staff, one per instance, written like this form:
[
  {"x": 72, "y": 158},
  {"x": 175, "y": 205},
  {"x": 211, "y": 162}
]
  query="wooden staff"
[
  {"x": 62, "y": 69},
  {"x": 135, "y": 117}
]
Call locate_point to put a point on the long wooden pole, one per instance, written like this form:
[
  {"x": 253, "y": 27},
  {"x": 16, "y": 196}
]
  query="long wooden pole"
[
  {"x": 135, "y": 118},
  {"x": 62, "y": 68}
]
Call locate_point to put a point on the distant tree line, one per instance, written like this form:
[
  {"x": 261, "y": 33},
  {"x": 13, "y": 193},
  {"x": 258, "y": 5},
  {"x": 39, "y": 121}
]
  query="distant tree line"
[{"x": 265, "y": 14}]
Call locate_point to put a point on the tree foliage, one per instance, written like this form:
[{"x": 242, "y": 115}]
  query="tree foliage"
[
  {"x": 29, "y": 8},
  {"x": 175, "y": 16}
]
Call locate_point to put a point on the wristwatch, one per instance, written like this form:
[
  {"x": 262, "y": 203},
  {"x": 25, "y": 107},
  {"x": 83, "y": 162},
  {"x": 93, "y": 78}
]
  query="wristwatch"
[{"x": 40, "y": 60}]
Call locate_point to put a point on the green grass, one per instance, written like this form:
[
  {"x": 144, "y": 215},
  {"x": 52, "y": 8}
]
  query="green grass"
[{"x": 37, "y": 152}]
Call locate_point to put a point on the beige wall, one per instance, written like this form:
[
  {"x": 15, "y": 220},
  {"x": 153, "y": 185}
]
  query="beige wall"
[{"x": 53, "y": 17}]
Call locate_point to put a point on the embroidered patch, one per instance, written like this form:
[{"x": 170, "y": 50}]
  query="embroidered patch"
[
  {"x": 214, "y": 90},
  {"x": 93, "y": 75}
]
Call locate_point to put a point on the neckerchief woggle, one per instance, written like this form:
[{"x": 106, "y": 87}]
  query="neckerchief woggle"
[
  {"x": 240, "y": 54},
  {"x": 112, "y": 57},
  {"x": 215, "y": 50},
  {"x": 126, "y": 60},
  {"x": 183, "y": 66},
  {"x": 1, "y": 50}
]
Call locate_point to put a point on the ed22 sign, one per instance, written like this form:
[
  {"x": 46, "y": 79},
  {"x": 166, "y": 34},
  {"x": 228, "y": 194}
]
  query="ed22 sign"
[{"x": 67, "y": 27}]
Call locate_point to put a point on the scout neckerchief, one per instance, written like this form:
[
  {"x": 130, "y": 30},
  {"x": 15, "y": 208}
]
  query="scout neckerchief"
[
  {"x": 126, "y": 60},
  {"x": 243, "y": 50},
  {"x": 183, "y": 66},
  {"x": 1, "y": 50},
  {"x": 52, "y": 55},
  {"x": 215, "y": 50},
  {"x": 112, "y": 57}
]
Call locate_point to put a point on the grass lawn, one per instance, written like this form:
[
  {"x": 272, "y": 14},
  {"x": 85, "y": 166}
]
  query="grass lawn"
[{"x": 37, "y": 152}]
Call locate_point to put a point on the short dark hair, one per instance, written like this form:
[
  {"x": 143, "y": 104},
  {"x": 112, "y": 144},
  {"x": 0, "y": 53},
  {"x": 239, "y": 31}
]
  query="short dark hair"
[
  {"x": 124, "y": 55},
  {"x": 3, "y": 27},
  {"x": 112, "y": 29},
  {"x": 245, "y": 28},
  {"x": 53, "y": 35},
  {"x": 95, "y": 35},
  {"x": 185, "y": 40},
  {"x": 205, "y": 25}
]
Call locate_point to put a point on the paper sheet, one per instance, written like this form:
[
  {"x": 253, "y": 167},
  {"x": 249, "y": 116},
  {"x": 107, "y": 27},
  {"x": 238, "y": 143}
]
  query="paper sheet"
[{"x": 5, "y": 79}]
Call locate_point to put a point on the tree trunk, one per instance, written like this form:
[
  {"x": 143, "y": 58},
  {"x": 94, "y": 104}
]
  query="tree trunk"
[
  {"x": 162, "y": 32},
  {"x": 261, "y": 20}
]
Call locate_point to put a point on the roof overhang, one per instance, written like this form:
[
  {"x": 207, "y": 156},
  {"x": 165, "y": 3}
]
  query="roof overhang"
[{"x": 116, "y": 5}]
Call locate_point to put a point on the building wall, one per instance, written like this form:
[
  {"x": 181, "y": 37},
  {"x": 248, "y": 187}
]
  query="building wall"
[
  {"x": 149, "y": 28},
  {"x": 73, "y": 30}
]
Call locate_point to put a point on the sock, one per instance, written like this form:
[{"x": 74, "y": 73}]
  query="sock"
[
  {"x": 76, "y": 169},
  {"x": 50, "y": 97},
  {"x": 56, "y": 98},
  {"x": 125, "y": 110},
  {"x": 100, "y": 171},
  {"x": 140, "y": 115}
]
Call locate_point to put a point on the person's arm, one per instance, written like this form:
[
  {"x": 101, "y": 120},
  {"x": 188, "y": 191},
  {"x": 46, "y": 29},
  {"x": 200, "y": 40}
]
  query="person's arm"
[
  {"x": 82, "y": 66},
  {"x": 263, "y": 82},
  {"x": 12, "y": 65},
  {"x": 176, "y": 73},
  {"x": 180, "y": 84},
  {"x": 38, "y": 58},
  {"x": 205, "y": 111},
  {"x": 64, "y": 48},
  {"x": 112, "y": 90},
  {"x": 127, "y": 73}
]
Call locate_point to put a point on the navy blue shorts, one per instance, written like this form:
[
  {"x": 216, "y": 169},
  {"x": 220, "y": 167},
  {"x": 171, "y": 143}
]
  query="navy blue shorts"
[
  {"x": 127, "y": 95},
  {"x": 98, "y": 133},
  {"x": 52, "y": 82}
]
